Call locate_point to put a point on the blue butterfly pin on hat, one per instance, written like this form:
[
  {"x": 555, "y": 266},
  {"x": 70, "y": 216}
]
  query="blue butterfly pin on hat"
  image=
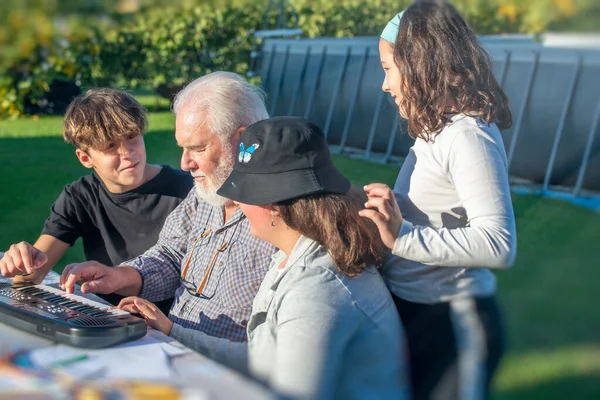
[
  {"x": 246, "y": 152},
  {"x": 282, "y": 158}
]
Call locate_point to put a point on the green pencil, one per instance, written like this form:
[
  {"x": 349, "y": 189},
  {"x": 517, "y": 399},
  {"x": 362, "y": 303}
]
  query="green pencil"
[{"x": 68, "y": 361}]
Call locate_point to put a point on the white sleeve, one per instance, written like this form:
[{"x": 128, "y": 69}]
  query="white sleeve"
[
  {"x": 478, "y": 168},
  {"x": 231, "y": 354}
]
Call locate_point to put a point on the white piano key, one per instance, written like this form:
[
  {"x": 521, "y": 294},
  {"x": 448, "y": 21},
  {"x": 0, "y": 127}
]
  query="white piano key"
[{"x": 81, "y": 299}]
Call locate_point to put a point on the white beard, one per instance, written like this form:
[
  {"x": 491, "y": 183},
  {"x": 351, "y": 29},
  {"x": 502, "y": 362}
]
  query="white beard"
[{"x": 214, "y": 182}]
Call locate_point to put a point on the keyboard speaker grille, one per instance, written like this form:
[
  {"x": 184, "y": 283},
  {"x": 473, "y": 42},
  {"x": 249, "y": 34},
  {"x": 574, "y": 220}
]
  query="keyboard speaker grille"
[{"x": 91, "y": 321}]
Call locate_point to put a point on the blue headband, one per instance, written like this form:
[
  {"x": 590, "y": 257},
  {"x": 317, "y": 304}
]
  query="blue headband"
[{"x": 391, "y": 29}]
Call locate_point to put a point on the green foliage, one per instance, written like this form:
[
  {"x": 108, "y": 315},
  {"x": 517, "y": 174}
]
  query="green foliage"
[
  {"x": 173, "y": 46},
  {"x": 26, "y": 84},
  {"x": 161, "y": 44}
]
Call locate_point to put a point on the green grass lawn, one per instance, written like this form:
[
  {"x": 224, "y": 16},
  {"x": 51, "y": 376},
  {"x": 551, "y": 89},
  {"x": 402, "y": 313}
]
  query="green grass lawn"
[{"x": 550, "y": 309}]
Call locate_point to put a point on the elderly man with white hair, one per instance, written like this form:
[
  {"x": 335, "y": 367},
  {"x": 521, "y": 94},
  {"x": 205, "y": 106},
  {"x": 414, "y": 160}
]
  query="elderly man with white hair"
[{"x": 205, "y": 254}]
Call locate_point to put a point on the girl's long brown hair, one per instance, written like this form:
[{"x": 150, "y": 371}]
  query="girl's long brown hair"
[
  {"x": 441, "y": 62},
  {"x": 332, "y": 220}
]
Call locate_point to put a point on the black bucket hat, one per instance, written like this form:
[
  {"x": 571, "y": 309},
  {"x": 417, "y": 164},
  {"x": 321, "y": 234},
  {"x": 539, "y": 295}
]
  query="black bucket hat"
[{"x": 282, "y": 158}]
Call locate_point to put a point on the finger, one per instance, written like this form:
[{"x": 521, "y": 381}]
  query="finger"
[
  {"x": 90, "y": 287},
  {"x": 126, "y": 301},
  {"x": 154, "y": 317},
  {"x": 380, "y": 190},
  {"x": 147, "y": 309},
  {"x": 65, "y": 274},
  {"x": 14, "y": 262},
  {"x": 387, "y": 233},
  {"x": 369, "y": 186},
  {"x": 382, "y": 206},
  {"x": 374, "y": 186},
  {"x": 380, "y": 223},
  {"x": 14, "y": 265},
  {"x": 71, "y": 279},
  {"x": 131, "y": 308},
  {"x": 26, "y": 258},
  {"x": 5, "y": 265},
  {"x": 128, "y": 304},
  {"x": 374, "y": 216}
]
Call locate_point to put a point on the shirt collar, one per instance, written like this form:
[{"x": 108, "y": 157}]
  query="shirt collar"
[
  {"x": 302, "y": 247},
  {"x": 216, "y": 216}
]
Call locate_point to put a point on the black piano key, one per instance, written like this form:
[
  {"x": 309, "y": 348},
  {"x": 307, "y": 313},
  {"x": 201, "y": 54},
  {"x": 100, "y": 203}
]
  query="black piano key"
[
  {"x": 29, "y": 289},
  {"x": 64, "y": 301},
  {"x": 98, "y": 314}
]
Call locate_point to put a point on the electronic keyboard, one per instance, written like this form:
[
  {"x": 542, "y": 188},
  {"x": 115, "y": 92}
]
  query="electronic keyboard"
[{"x": 66, "y": 318}]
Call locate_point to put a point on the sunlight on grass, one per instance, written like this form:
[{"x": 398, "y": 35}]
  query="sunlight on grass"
[
  {"x": 566, "y": 372},
  {"x": 51, "y": 126},
  {"x": 47, "y": 126},
  {"x": 153, "y": 102},
  {"x": 532, "y": 369}
]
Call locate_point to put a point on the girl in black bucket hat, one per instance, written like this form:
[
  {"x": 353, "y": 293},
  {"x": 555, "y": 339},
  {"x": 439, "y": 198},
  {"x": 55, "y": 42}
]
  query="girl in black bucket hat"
[{"x": 323, "y": 324}]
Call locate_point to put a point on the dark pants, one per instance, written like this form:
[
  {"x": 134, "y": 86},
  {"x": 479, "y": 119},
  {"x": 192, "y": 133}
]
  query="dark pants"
[{"x": 454, "y": 348}]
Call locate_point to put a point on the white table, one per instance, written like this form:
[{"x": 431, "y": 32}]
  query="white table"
[{"x": 189, "y": 370}]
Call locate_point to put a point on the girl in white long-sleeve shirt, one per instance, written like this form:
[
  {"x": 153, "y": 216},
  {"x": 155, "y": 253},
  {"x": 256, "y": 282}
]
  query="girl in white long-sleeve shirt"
[{"x": 452, "y": 218}]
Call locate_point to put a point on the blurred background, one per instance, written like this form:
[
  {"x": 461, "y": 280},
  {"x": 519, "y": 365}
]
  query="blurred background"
[
  {"x": 311, "y": 57},
  {"x": 47, "y": 44}
]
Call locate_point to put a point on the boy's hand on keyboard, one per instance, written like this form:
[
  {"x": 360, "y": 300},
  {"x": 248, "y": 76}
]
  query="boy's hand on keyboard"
[
  {"x": 21, "y": 259},
  {"x": 153, "y": 316},
  {"x": 94, "y": 277},
  {"x": 32, "y": 279}
]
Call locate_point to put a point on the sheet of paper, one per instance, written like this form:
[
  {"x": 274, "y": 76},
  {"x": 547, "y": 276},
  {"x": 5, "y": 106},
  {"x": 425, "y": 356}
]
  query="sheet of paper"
[
  {"x": 146, "y": 358},
  {"x": 170, "y": 346}
]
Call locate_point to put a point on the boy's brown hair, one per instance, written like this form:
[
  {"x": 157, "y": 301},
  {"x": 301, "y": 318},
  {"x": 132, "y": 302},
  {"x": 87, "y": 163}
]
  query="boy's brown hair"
[{"x": 102, "y": 117}]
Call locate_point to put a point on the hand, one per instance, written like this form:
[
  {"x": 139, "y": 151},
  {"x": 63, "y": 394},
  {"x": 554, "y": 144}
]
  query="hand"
[
  {"x": 153, "y": 316},
  {"x": 383, "y": 210},
  {"x": 22, "y": 259},
  {"x": 95, "y": 277},
  {"x": 32, "y": 279}
]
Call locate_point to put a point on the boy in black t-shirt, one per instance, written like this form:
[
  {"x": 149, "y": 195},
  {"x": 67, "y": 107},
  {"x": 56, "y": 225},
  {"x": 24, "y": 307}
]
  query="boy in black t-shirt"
[{"x": 119, "y": 209}]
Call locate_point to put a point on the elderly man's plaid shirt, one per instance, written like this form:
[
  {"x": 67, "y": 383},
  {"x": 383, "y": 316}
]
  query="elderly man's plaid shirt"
[{"x": 226, "y": 302}]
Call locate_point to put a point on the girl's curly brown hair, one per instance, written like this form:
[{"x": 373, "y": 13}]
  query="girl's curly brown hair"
[{"x": 444, "y": 70}]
